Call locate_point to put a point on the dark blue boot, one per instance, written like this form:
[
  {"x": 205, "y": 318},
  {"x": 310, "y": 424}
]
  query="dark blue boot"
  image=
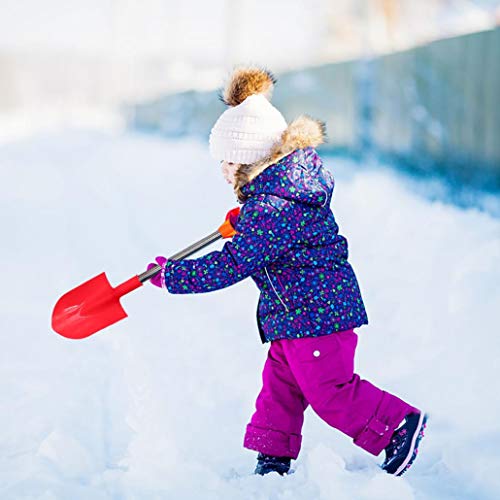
[
  {"x": 403, "y": 448},
  {"x": 268, "y": 463}
]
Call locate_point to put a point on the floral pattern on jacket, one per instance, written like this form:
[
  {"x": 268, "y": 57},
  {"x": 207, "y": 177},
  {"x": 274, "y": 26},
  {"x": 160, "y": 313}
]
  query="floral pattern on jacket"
[{"x": 288, "y": 241}]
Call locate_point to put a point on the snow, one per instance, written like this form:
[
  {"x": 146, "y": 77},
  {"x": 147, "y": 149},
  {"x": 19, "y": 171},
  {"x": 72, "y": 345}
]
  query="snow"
[{"x": 155, "y": 406}]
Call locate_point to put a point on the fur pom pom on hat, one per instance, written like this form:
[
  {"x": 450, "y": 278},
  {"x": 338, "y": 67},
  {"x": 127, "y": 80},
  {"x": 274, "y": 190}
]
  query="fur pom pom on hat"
[
  {"x": 245, "y": 82},
  {"x": 246, "y": 132}
]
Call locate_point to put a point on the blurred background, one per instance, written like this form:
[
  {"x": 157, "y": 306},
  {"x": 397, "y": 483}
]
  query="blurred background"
[
  {"x": 105, "y": 111},
  {"x": 414, "y": 82}
]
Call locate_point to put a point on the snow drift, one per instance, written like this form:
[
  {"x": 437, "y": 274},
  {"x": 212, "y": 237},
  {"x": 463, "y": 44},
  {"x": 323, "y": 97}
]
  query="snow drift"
[{"x": 155, "y": 406}]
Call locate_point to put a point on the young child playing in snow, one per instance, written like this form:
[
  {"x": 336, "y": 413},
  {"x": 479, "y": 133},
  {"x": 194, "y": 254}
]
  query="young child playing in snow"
[{"x": 288, "y": 241}]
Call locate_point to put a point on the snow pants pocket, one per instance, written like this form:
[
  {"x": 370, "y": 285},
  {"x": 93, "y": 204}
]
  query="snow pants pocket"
[{"x": 321, "y": 363}]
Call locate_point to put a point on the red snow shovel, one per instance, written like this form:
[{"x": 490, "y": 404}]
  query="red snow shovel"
[{"x": 95, "y": 304}]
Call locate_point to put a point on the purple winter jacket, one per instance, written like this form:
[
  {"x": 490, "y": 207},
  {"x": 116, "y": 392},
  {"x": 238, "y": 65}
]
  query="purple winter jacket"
[{"x": 287, "y": 240}]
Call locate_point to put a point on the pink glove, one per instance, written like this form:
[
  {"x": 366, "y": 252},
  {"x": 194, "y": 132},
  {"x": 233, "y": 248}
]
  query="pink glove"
[
  {"x": 233, "y": 216},
  {"x": 159, "y": 279}
]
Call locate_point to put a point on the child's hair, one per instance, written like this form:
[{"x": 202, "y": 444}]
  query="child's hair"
[{"x": 240, "y": 178}]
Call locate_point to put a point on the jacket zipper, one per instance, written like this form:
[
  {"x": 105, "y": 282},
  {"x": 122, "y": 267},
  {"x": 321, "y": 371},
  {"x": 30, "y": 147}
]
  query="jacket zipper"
[{"x": 276, "y": 291}]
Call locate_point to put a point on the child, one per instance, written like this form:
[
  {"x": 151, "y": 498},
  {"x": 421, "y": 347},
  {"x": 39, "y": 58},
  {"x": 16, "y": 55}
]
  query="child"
[{"x": 288, "y": 241}]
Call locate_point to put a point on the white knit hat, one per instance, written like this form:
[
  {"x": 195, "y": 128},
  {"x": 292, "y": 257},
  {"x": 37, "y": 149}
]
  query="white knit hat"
[{"x": 246, "y": 132}]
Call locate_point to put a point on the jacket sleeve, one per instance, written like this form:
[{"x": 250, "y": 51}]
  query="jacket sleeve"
[{"x": 264, "y": 233}]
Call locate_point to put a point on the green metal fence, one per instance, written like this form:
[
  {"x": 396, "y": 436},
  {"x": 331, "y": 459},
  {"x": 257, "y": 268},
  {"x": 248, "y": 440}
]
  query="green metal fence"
[
  {"x": 437, "y": 107},
  {"x": 434, "y": 108}
]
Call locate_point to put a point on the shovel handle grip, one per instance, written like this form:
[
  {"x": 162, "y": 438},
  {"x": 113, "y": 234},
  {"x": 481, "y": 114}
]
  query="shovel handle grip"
[{"x": 226, "y": 230}]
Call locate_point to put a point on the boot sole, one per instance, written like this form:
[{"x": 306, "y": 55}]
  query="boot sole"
[{"x": 413, "y": 451}]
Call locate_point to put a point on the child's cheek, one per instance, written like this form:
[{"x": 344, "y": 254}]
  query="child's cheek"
[
  {"x": 230, "y": 174},
  {"x": 225, "y": 173},
  {"x": 228, "y": 171}
]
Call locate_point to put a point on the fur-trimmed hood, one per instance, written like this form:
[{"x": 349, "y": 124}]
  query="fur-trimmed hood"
[{"x": 304, "y": 132}]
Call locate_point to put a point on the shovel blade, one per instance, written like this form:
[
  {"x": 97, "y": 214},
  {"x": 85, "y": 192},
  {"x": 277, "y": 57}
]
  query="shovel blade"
[{"x": 88, "y": 308}]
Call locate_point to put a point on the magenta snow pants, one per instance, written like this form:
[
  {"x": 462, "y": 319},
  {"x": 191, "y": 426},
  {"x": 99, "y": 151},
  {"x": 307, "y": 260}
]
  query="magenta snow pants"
[{"x": 319, "y": 371}]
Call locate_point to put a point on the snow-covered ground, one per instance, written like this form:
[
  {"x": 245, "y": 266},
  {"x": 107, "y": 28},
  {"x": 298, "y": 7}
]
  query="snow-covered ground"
[{"x": 155, "y": 407}]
